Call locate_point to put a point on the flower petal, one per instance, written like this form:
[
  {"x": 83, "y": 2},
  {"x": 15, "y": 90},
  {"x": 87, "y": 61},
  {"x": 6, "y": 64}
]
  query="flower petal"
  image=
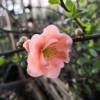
[
  {"x": 69, "y": 40},
  {"x": 50, "y": 42},
  {"x": 52, "y": 72},
  {"x": 26, "y": 45},
  {"x": 36, "y": 46},
  {"x": 51, "y": 29},
  {"x": 57, "y": 63},
  {"x": 36, "y": 43},
  {"x": 33, "y": 68},
  {"x": 50, "y": 32}
]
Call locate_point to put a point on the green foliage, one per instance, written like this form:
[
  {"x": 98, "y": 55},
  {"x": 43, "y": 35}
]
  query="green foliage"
[
  {"x": 87, "y": 89},
  {"x": 98, "y": 86},
  {"x": 97, "y": 64},
  {"x": 91, "y": 9},
  {"x": 88, "y": 27},
  {"x": 2, "y": 60},
  {"x": 15, "y": 58},
  {"x": 90, "y": 44},
  {"x": 93, "y": 52},
  {"x": 54, "y": 1},
  {"x": 82, "y": 3},
  {"x": 82, "y": 61},
  {"x": 71, "y": 8}
]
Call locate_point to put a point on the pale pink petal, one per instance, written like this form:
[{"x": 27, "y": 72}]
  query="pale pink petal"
[
  {"x": 35, "y": 59},
  {"x": 42, "y": 60},
  {"x": 36, "y": 46},
  {"x": 51, "y": 32},
  {"x": 53, "y": 72},
  {"x": 65, "y": 40},
  {"x": 67, "y": 60},
  {"x": 59, "y": 63},
  {"x": 37, "y": 43},
  {"x": 56, "y": 62},
  {"x": 51, "y": 29},
  {"x": 50, "y": 42},
  {"x": 32, "y": 71},
  {"x": 69, "y": 40},
  {"x": 33, "y": 66},
  {"x": 26, "y": 45}
]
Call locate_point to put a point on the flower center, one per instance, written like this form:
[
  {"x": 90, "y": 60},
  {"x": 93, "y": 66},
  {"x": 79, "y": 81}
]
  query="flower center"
[{"x": 49, "y": 52}]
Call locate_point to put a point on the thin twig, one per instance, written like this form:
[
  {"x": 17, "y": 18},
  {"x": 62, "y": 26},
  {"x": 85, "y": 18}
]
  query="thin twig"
[
  {"x": 75, "y": 39},
  {"x": 11, "y": 52},
  {"x": 63, "y": 5},
  {"x": 13, "y": 85},
  {"x": 85, "y": 38},
  {"x": 14, "y": 31}
]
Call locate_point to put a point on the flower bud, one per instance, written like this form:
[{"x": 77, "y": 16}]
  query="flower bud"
[
  {"x": 78, "y": 31},
  {"x": 21, "y": 41}
]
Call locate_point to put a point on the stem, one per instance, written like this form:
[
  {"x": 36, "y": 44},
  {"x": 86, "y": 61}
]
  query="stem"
[
  {"x": 76, "y": 20},
  {"x": 14, "y": 31},
  {"x": 75, "y": 39},
  {"x": 63, "y": 5},
  {"x": 85, "y": 38},
  {"x": 11, "y": 52}
]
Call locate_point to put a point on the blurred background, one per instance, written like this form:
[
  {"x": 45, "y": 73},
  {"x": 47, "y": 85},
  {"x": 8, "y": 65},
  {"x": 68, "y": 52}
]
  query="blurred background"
[{"x": 79, "y": 80}]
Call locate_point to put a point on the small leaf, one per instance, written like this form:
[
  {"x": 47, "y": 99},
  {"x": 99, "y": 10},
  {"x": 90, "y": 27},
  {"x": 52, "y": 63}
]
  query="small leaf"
[
  {"x": 91, "y": 44},
  {"x": 54, "y": 1},
  {"x": 91, "y": 9},
  {"x": 98, "y": 86},
  {"x": 87, "y": 89},
  {"x": 71, "y": 7},
  {"x": 88, "y": 27},
  {"x": 68, "y": 14},
  {"x": 74, "y": 10},
  {"x": 2, "y": 60},
  {"x": 82, "y": 3},
  {"x": 82, "y": 60},
  {"x": 93, "y": 52},
  {"x": 97, "y": 64},
  {"x": 15, "y": 58},
  {"x": 69, "y": 4}
]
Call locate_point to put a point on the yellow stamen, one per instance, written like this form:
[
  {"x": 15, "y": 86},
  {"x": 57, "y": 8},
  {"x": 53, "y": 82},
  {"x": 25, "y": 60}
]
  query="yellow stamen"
[{"x": 49, "y": 52}]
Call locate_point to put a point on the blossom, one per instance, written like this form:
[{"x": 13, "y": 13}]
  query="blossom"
[{"x": 47, "y": 52}]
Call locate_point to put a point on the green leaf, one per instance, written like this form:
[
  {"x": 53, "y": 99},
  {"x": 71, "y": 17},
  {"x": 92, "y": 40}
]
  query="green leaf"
[
  {"x": 82, "y": 3},
  {"x": 90, "y": 44},
  {"x": 15, "y": 58},
  {"x": 97, "y": 64},
  {"x": 2, "y": 60},
  {"x": 54, "y": 1},
  {"x": 95, "y": 25},
  {"x": 93, "y": 52},
  {"x": 98, "y": 86},
  {"x": 68, "y": 14},
  {"x": 96, "y": 67},
  {"x": 74, "y": 10},
  {"x": 71, "y": 7},
  {"x": 87, "y": 89},
  {"x": 82, "y": 60},
  {"x": 91, "y": 9},
  {"x": 88, "y": 27},
  {"x": 69, "y": 4}
]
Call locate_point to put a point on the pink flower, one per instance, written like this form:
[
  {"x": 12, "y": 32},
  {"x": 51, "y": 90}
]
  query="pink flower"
[{"x": 47, "y": 52}]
